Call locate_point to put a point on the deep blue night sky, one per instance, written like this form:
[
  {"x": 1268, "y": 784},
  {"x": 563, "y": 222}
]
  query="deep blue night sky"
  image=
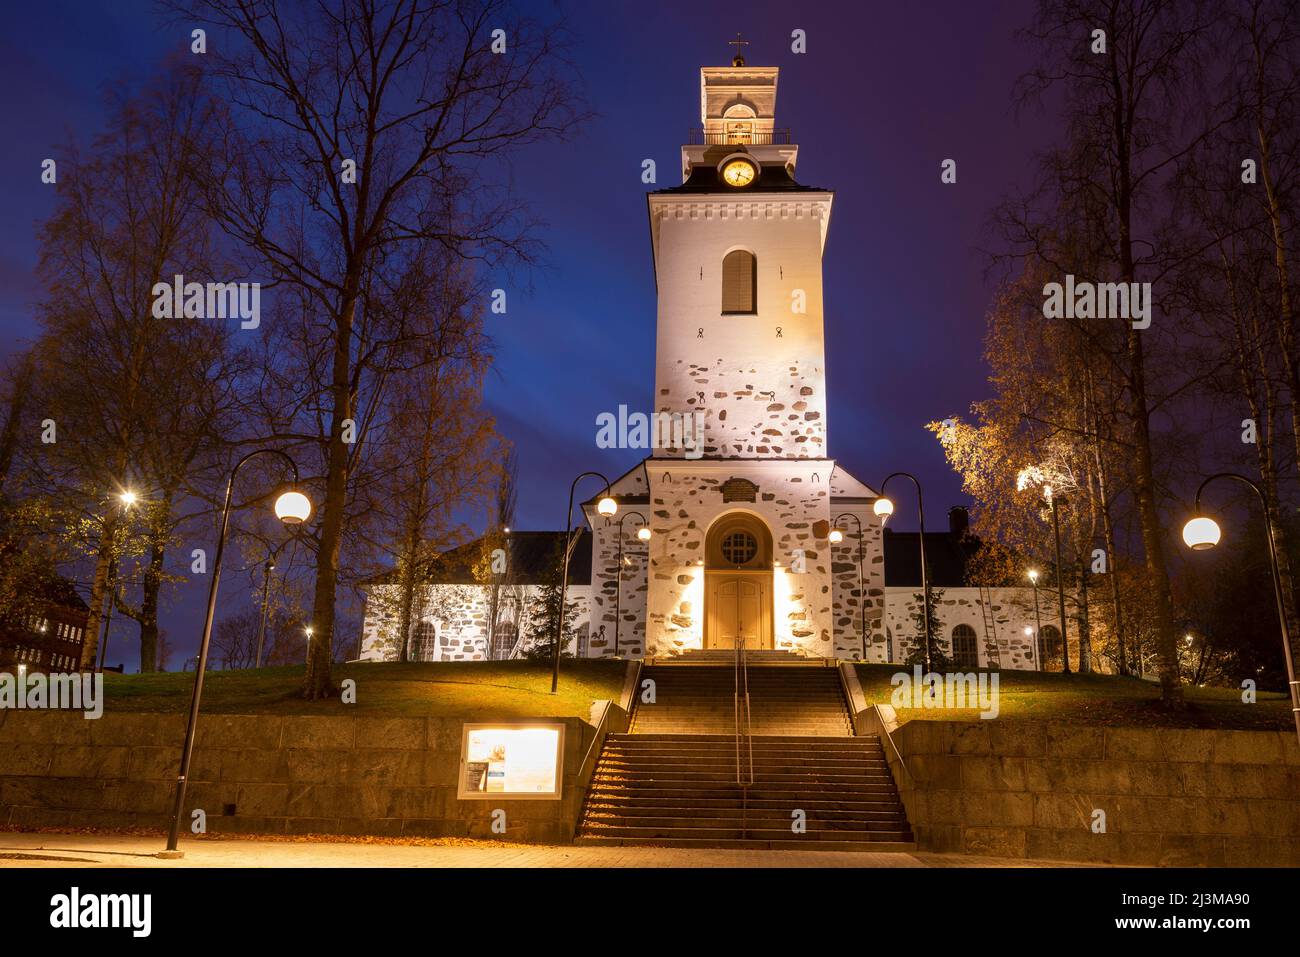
[{"x": 883, "y": 95}]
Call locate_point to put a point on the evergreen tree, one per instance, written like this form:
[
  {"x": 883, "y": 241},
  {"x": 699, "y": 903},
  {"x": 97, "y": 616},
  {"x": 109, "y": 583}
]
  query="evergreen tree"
[
  {"x": 939, "y": 657},
  {"x": 544, "y": 614}
]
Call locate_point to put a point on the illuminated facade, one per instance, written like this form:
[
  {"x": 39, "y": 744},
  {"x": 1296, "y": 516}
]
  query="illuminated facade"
[{"x": 741, "y": 509}]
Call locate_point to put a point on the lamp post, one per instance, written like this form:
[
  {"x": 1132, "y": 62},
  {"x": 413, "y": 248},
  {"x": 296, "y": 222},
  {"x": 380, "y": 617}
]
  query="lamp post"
[
  {"x": 1038, "y": 621},
  {"x": 1202, "y": 532},
  {"x": 292, "y": 508},
  {"x": 643, "y": 533},
  {"x": 1060, "y": 582},
  {"x": 836, "y": 537},
  {"x": 127, "y": 498},
  {"x": 261, "y": 623},
  {"x": 884, "y": 508},
  {"x": 607, "y": 507}
]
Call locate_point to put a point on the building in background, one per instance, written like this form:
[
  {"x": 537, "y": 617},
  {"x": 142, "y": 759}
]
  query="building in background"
[{"x": 47, "y": 636}]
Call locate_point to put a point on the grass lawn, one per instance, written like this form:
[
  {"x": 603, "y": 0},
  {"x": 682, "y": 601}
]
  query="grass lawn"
[
  {"x": 470, "y": 690},
  {"x": 1097, "y": 699}
]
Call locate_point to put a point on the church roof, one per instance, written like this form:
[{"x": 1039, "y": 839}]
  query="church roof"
[
  {"x": 946, "y": 556},
  {"x": 530, "y": 559}
]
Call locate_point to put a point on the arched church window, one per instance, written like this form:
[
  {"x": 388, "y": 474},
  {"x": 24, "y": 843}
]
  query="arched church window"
[
  {"x": 424, "y": 641},
  {"x": 1049, "y": 646},
  {"x": 740, "y": 283},
  {"x": 503, "y": 640},
  {"x": 963, "y": 647}
]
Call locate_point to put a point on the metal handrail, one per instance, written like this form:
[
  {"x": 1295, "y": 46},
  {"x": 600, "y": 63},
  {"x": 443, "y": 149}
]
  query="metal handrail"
[
  {"x": 735, "y": 704},
  {"x": 743, "y": 718},
  {"x": 698, "y": 137},
  {"x": 884, "y": 733},
  {"x": 749, "y": 721}
]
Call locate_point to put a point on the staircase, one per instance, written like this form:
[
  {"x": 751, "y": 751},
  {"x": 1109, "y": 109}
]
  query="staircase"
[
  {"x": 673, "y": 781},
  {"x": 793, "y": 699}
]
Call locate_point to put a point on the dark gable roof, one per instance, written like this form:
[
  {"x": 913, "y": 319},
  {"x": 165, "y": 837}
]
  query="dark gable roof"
[
  {"x": 530, "y": 555},
  {"x": 945, "y": 555},
  {"x": 772, "y": 179}
]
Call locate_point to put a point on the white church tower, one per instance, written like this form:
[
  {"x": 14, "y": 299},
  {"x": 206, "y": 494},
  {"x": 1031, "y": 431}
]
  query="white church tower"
[{"x": 739, "y": 542}]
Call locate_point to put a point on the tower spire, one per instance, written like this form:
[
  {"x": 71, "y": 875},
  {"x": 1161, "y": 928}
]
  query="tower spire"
[{"x": 739, "y": 58}]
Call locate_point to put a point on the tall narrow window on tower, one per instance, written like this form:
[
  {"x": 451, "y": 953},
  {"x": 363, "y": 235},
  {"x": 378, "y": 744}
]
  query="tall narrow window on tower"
[{"x": 740, "y": 283}]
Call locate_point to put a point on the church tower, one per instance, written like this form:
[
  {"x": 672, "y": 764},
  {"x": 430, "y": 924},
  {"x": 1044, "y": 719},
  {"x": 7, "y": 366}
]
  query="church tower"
[
  {"x": 739, "y": 518},
  {"x": 738, "y": 267}
]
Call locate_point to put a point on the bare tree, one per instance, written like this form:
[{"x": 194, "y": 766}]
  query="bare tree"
[
  {"x": 1124, "y": 69},
  {"x": 131, "y": 395},
  {"x": 367, "y": 129}
]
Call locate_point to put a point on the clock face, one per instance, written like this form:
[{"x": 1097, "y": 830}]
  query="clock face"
[{"x": 738, "y": 173}]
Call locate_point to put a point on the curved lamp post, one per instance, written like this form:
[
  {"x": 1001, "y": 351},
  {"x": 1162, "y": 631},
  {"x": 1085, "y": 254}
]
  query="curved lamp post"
[
  {"x": 1202, "y": 532},
  {"x": 292, "y": 508},
  {"x": 642, "y": 533},
  {"x": 607, "y": 507},
  {"x": 884, "y": 507},
  {"x": 837, "y": 536}
]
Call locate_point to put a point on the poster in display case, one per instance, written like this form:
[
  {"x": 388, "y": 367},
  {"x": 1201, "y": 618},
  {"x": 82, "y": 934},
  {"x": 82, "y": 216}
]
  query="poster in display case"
[{"x": 518, "y": 761}]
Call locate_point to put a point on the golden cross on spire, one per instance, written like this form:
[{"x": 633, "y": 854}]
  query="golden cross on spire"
[{"x": 739, "y": 58}]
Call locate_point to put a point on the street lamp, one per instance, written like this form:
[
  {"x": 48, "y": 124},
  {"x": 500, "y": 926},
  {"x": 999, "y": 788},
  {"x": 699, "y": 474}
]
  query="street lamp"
[
  {"x": 1034, "y": 475},
  {"x": 1202, "y": 532},
  {"x": 292, "y": 507},
  {"x": 884, "y": 508},
  {"x": 607, "y": 507},
  {"x": 643, "y": 534},
  {"x": 308, "y": 631},
  {"x": 836, "y": 536}
]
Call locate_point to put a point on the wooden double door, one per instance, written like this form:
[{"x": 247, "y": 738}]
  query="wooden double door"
[{"x": 738, "y": 605}]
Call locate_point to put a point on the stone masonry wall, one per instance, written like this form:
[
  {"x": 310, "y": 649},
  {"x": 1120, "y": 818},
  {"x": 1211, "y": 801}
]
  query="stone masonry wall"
[
  {"x": 849, "y": 593},
  {"x": 759, "y": 379},
  {"x": 461, "y": 615},
  {"x": 965, "y": 606},
  {"x": 792, "y": 499},
  {"x": 1025, "y": 789},
  {"x": 265, "y": 774}
]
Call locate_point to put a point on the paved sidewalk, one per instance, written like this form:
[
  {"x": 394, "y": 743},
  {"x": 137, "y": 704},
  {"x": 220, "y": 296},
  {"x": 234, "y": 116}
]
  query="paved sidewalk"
[{"x": 115, "y": 850}]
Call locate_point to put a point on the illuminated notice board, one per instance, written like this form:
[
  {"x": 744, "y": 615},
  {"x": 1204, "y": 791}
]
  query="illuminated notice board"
[{"x": 516, "y": 761}]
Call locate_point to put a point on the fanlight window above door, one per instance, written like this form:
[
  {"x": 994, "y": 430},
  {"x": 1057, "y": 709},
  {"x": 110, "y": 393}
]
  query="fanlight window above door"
[{"x": 739, "y": 548}]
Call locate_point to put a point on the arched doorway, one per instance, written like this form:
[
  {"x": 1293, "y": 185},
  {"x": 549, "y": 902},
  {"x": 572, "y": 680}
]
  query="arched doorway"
[{"x": 738, "y": 582}]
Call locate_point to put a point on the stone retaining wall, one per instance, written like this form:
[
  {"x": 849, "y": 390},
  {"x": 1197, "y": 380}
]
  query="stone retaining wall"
[
  {"x": 1025, "y": 789},
  {"x": 266, "y": 774}
]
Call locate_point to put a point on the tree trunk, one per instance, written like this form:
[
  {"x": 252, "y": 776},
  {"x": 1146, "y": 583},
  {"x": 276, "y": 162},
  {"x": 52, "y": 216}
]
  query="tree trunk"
[
  {"x": 98, "y": 591},
  {"x": 1144, "y": 486},
  {"x": 148, "y": 620},
  {"x": 1286, "y": 339},
  {"x": 407, "y": 607},
  {"x": 1085, "y": 632},
  {"x": 317, "y": 682}
]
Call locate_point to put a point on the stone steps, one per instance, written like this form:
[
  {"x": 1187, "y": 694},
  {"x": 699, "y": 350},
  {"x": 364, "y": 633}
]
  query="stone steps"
[
  {"x": 672, "y": 780},
  {"x": 785, "y": 700}
]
